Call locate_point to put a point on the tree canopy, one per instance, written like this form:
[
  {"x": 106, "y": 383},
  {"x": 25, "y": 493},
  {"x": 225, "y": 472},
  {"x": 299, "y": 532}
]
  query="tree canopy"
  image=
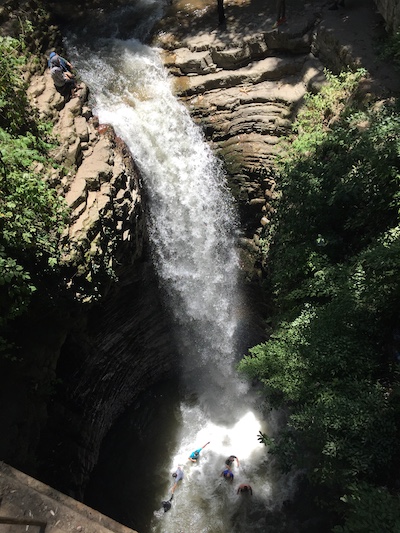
[{"x": 332, "y": 265}]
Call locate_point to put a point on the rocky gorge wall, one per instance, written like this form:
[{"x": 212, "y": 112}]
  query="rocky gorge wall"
[
  {"x": 244, "y": 81},
  {"x": 117, "y": 341},
  {"x": 243, "y": 85},
  {"x": 108, "y": 340},
  {"x": 101, "y": 337},
  {"x": 390, "y": 10}
]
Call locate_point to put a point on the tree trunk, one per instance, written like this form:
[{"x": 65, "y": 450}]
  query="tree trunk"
[{"x": 221, "y": 12}]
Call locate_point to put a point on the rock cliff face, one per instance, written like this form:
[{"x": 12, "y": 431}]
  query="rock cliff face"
[
  {"x": 390, "y": 10},
  {"x": 99, "y": 182},
  {"x": 243, "y": 84},
  {"x": 102, "y": 338},
  {"x": 245, "y": 80},
  {"x": 114, "y": 349}
]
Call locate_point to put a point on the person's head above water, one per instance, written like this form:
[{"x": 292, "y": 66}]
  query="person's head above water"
[
  {"x": 245, "y": 488},
  {"x": 167, "y": 504}
]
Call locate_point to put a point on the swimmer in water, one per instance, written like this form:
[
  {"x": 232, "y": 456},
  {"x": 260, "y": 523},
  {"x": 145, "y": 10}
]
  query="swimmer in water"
[
  {"x": 228, "y": 474},
  {"x": 231, "y": 459},
  {"x": 195, "y": 455},
  {"x": 167, "y": 504},
  {"x": 245, "y": 488},
  {"x": 178, "y": 475}
]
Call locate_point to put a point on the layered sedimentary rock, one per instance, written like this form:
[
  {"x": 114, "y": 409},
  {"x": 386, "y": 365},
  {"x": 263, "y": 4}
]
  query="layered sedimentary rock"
[
  {"x": 100, "y": 183},
  {"x": 243, "y": 85},
  {"x": 92, "y": 348},
  {"x": 121, "y": 346},
  {"x": 244, "y": 81}
]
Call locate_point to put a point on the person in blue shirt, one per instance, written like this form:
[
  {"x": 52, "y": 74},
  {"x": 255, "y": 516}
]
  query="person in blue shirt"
[
  {"x": 55, "y": 59},
  {"x": 195, "y": 455},
  {"x": 228, "y": 474},
  {"x": 63, "y": 78},
  {"x": 64, "y": 81}
]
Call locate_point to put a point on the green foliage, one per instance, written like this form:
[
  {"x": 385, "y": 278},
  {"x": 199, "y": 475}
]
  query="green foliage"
[
  {"x": 14, "y": 109},
  {"x": 32, "y": 215},
  {"x": 263, "y": 438},
  {"x": 15, "y": 288},
  {"x": 390, "y": 49},
  {"x": 25, "y": 196},
  {"x": 332, "y": 261},
  {"x": 335, "y": 204},
  {"x": 370, "y": 509},
  {"x": 315, "y": 117},
  {"x": 338, "y": 409}
]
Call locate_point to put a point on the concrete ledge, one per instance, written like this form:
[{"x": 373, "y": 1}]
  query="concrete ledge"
[{"x": 26, "y": 498}]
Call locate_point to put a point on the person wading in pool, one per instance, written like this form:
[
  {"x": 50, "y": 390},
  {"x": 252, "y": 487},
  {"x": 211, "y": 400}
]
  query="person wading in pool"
[
  {"x": 245, "y": 488},
  {"x": 178, "y": 475},
  {"x": 195, "y": 455},
  {"x": 231, "y": 459},
  {"x": 227, "y": 474}
]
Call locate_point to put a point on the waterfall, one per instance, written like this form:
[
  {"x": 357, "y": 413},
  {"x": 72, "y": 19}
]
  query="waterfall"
[{"x": 192, "y": 224}]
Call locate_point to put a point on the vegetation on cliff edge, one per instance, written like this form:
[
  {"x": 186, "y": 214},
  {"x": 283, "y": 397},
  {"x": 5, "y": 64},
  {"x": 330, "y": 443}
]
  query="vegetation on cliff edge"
[
  {"x": 332, "y": 262},
  {"x": 32, "y": 215}
]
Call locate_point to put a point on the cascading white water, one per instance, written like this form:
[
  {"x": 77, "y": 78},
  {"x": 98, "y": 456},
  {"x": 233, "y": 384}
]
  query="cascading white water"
[{"x": 191, "y": 226}]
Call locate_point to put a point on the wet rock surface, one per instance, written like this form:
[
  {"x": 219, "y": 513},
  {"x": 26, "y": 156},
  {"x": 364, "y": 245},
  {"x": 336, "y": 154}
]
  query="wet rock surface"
[
  {"x": 103, "y": 336},
  {"x": 115, "y": 339}
]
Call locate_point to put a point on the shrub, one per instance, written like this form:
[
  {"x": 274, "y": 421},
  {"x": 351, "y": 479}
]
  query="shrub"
[{"x": 32, "y": 215}]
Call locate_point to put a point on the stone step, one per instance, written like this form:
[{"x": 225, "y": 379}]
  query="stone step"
[
  {"x": 31, "y": 505},
  {"x": 271, "y": 68}
]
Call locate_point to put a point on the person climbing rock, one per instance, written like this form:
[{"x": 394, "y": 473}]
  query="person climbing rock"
[
  {"x": 195, "y": 455},
  {"x": 64, "y": 81},
  {"x": 55, "y": 59}
]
